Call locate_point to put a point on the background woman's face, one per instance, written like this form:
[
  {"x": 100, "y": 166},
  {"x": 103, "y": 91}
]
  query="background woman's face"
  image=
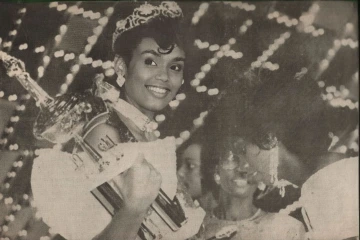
[
  {"x": 259, "y": 160},
  {"x": 235, "y": 181},
  {"x": 189, "y": 172},
  {"x": 152, "y": 78}
]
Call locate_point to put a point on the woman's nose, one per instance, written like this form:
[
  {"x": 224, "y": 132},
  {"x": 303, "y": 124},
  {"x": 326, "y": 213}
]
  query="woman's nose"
[{"x": 162, "y": 75}]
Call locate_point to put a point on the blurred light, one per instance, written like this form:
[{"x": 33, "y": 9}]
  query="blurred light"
[
  {"x": 232, "y": 41},
  {"x": 206, "y": 68},
  {"x": 331, "y": 52},
  {"x": 249, "y": 22},
  {"x": 63, "y": 29},
  {"x": 198, "y": 122},
  {"x": 88, "y": 48},
  {"x": 174, "y": 103},
  {"x": 185, "y": 135},
  {"x": 160, "y": 118},
  {"x": 109, "y": 72},
  {"x": 179, "y": 141},
  {"x": 201, "y": 88},
  {"x": 75, "y": 68},
  {"x": 213, "y": 91},
  {"x": 219, "y": 54},
  {"x": 195, "y": 82},
  {"x": 213, "y": 61},
  {"x": 61, "y": 7},
  {"x": 157, "y": 133},
  {"x": 324, "y": 64},
  {"x": 180, "y": 96},
  {"x": 58, "y": 38},
  {"x": 243, "y": 29},
  {"x": 103, "y": 21},
  {"x": 109, "y": 11},
  {"x": 214, "y": 47},
  {"x": 53, "y": 4},
  {"x": 13, "y": 32},
  {"x": 63, "y": 87}
]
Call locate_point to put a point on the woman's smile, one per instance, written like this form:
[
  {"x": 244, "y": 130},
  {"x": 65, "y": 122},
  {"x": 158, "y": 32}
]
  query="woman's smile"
[{"x": 157, "y": 91}]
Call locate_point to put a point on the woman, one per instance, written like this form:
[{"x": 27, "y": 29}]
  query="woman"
[
  {"x": 149, "y": 63},
  {"x": 287, "y": 143},
  {"x": 236, "y": 216},
  {"x": 192, "y": 159}
]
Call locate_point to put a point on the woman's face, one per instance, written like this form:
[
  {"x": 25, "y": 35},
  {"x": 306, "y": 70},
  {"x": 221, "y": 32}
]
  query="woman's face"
[
  {"x": 152, "y": 78},
  {"x": 234, "y": 174},
  {"x": 189, "y": 171},
  {"x": 259, "y": 160}
]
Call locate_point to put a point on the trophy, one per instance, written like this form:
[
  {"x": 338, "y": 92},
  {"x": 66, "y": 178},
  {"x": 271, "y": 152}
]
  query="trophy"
[{"x": 60, "y": 118}]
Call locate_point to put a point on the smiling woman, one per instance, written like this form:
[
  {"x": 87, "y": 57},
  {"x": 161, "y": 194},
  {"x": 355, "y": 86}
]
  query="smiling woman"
[
  {"x": 149, "y": 62},
  {"x": 151, "y": 59},
  {"x": 144, "y": 200},
  {"x": 153, "y": 78}
]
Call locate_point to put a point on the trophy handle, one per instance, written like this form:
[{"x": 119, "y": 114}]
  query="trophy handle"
[{"x": 16, "y": 68}]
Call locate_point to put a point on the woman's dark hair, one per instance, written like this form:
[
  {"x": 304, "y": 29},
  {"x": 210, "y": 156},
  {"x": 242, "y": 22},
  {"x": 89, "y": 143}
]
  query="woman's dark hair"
[
  {"x": 293, "y": 111},
  {"x": 167, "y": 32}
]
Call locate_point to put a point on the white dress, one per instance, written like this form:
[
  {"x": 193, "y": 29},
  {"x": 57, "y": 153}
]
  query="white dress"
[
  {"x": 330, "y": 201},
  {"x": 262, "y": 226}
]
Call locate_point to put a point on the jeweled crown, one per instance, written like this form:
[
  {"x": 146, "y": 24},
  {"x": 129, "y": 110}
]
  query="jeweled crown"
[{"x": 144, "y": 14}]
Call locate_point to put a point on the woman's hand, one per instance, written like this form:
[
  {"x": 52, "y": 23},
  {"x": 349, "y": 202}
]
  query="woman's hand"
[{"x": 139, "y": 186}]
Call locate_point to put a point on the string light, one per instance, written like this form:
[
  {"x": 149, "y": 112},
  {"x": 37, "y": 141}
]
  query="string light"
[
  {"x": 199, "y": 13},
  {"x": 211, "y": 62},
  {"x": 261, "y": 60},
  {"x": 82, "y": 59},
  {"x": 241, "y": 5},
  {"x": 7, "y": 44},
  {"x": 283, "y": 19}
]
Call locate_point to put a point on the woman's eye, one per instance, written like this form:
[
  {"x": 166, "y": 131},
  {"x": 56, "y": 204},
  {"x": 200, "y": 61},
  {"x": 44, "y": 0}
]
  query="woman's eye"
[
  {"x": 177, "y": 68},
  {"x": 150, "y": 62},
  {"x": 191, "y": 166}
]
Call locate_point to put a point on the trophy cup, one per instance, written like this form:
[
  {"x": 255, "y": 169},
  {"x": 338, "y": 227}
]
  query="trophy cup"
[{"x": 60, "y": 118}]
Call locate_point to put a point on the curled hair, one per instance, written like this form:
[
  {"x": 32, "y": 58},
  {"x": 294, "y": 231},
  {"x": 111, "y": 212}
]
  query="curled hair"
[
  {"x": 167, "y": 32},
  {"x": 292, "y": 110}
]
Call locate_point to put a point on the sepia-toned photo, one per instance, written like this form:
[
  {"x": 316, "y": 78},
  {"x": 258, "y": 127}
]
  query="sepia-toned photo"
[{"x": 189, "y": 120}]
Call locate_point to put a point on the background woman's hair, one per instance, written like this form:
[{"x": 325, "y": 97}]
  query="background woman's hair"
[{"x": 294, "y": 111}]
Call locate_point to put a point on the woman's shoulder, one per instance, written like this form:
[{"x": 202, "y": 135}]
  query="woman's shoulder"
[
  {"x": 278, "y": 219},
  {"x": 280, "y": 226}
]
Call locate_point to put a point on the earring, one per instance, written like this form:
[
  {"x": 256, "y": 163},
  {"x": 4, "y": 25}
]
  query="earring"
[
  {"x": 120, "y": 80},
  {"x": 183, "y": 81},
  {"x": 217, "y": 178},
  {"x": 274, "y": 162},
  {"x": 120, "y": 68},
  {"x": 261, "y": 186}
]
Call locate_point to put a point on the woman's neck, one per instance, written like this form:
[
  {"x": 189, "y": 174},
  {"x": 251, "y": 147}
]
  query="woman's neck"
[
  {"x": 237, "y": 208},
  {"x": 148, "y": 113}
]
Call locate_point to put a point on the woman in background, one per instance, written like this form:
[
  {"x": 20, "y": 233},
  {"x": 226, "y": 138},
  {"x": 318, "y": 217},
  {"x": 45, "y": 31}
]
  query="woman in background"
[
  {"x": 192, "y": 159},
  {"x": 236, "y": 216},
  {"x": 287, "y": 144}
]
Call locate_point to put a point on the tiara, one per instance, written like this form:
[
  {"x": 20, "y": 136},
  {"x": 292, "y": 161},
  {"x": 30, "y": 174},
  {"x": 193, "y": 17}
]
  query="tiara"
[{"x": 144, "y": 14}]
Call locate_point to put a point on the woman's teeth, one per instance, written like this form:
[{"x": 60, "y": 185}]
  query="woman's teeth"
[
  {"x": 157, "y": 89},
  {"x": 240, "y": 182}
]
